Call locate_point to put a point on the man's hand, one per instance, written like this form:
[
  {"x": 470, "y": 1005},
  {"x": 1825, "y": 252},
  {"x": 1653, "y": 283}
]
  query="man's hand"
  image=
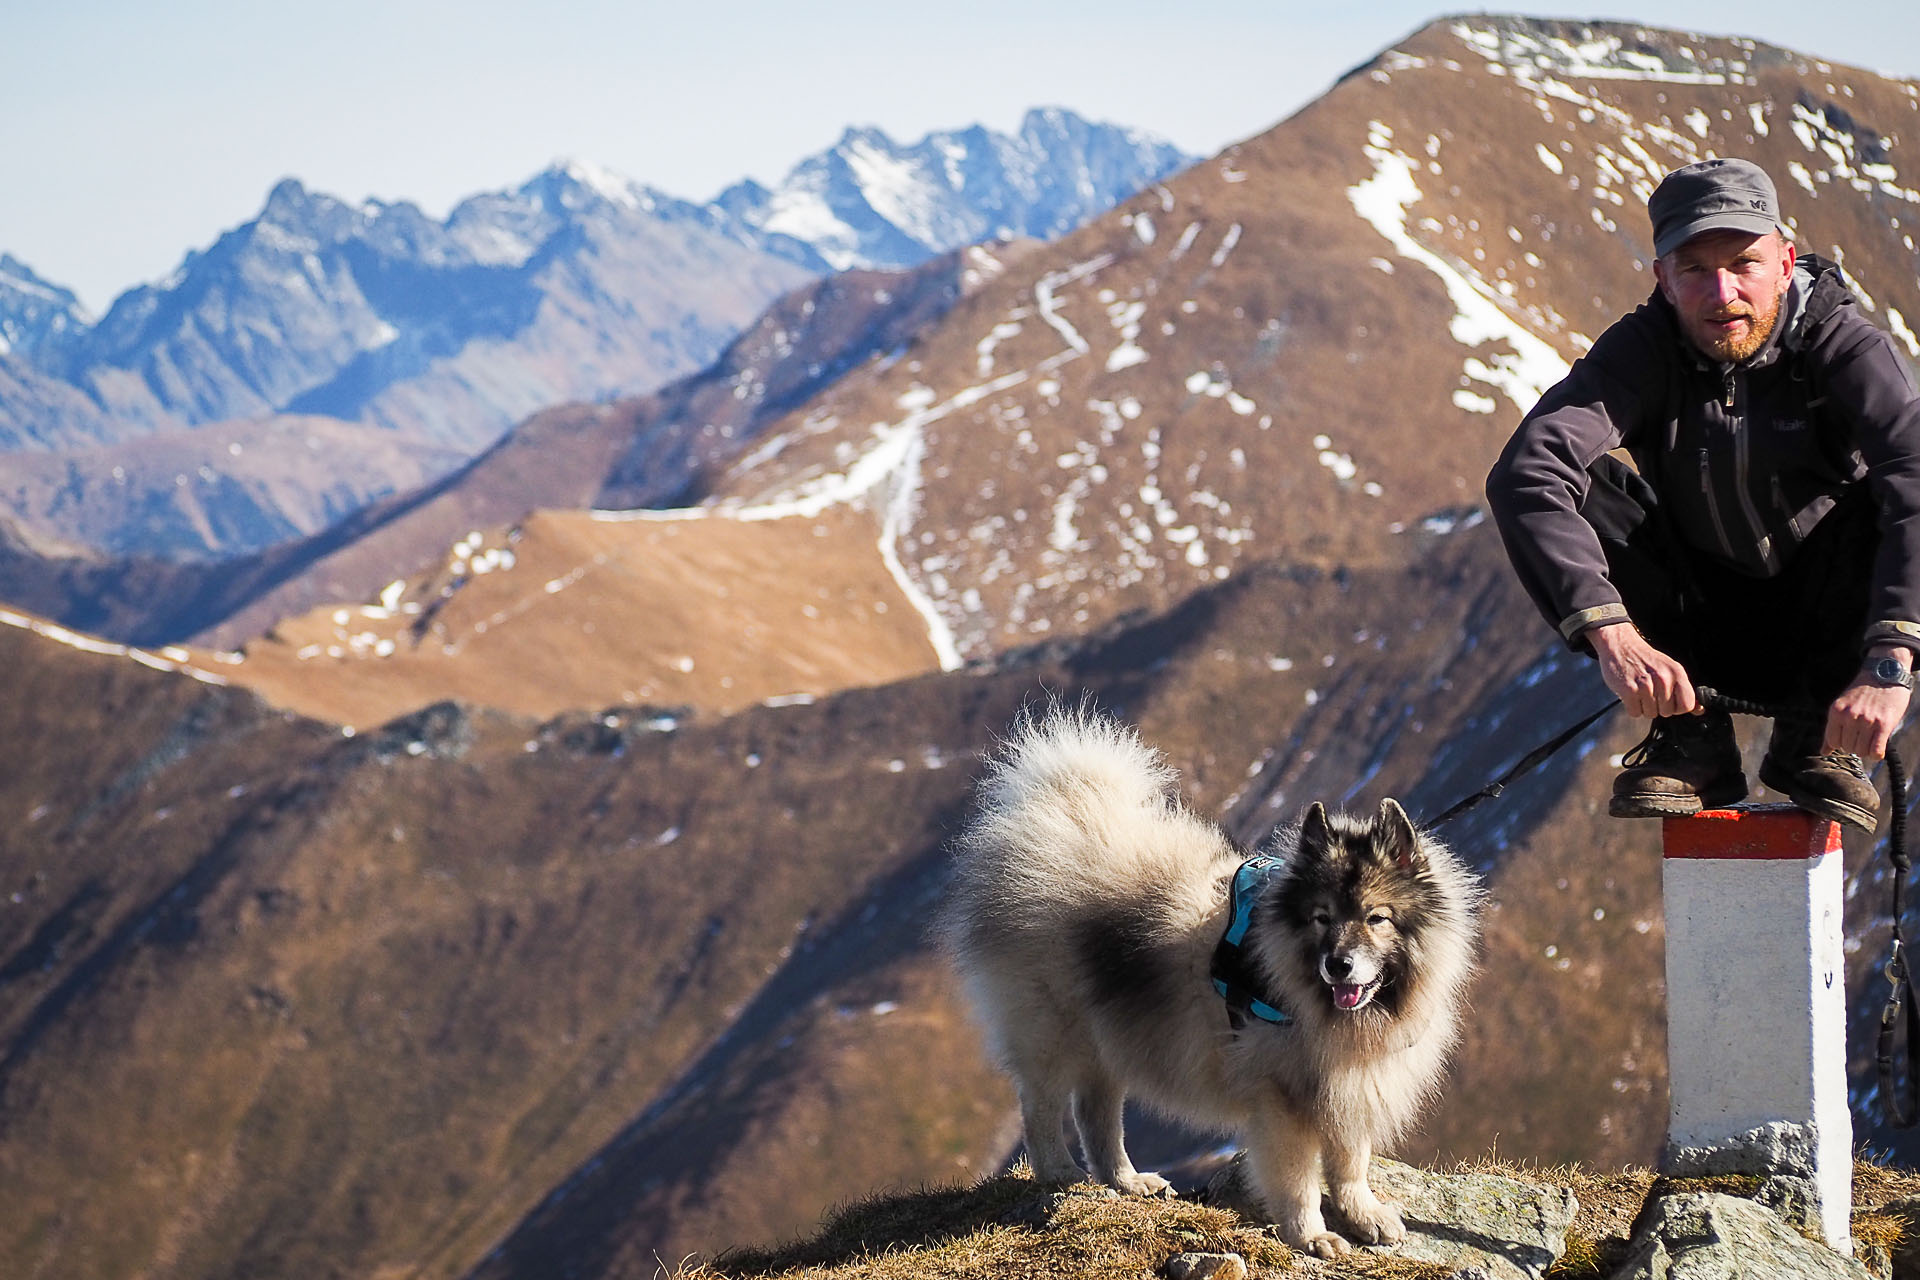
[
  {"x": 1647, "y": 681},
  {"x": 1864, "y": 716}
]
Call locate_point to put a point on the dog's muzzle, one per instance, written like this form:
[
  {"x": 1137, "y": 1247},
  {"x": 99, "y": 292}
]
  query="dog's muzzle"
[{"x": 1353, "y": 980}]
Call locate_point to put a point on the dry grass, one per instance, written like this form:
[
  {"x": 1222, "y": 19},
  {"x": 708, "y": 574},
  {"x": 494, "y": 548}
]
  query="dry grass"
[{"x": 1010, "y": 1226}]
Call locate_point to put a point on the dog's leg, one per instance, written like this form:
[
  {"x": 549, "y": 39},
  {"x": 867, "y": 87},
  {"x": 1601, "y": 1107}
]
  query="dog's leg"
[
  {"x": 1283, "y": 1155},
  {"x": 1043, "y": 1114},
  {"x": 1097, "y": 1108},
  {"x": 1372, "y": 1219}
]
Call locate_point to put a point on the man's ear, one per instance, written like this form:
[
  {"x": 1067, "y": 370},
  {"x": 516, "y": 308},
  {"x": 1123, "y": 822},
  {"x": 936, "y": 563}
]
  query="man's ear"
[{"x": 1660, "y": 275}]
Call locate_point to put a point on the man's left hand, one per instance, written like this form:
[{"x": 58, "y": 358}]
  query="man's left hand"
[{"x": 1863, "y": 718}]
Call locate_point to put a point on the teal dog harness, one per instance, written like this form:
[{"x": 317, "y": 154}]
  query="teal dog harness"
[{"x": 1232, "y": 970}]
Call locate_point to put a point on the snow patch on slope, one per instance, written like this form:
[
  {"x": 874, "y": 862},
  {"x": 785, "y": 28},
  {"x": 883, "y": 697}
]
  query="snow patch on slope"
[
  {"x": 168, "y": 659},
  {"x": 1529, "y": 366}
]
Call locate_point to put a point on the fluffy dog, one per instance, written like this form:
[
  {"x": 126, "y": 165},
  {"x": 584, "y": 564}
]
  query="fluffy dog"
[{"x": 1086, "y": 909}]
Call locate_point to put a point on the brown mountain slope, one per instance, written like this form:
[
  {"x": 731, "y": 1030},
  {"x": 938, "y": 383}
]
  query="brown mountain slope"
[{"x": 598, "y": 611}]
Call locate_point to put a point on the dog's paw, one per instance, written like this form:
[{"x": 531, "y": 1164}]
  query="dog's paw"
[
  {"x": 1056, "y": 1174},
  {"x": 1374, "y": 1221},
  {"x": 1325, "y": 1244},
  {"x": 1144, "y": 1184},
  {"x": 1383, "y": 1226}
]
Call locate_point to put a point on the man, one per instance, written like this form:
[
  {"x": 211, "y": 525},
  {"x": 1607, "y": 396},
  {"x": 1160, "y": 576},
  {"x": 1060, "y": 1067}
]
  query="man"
[{"x": 1769, "y": 544}]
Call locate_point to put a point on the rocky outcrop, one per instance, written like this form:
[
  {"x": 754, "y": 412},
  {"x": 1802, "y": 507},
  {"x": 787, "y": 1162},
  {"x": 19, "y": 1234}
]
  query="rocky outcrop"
[
  {"x": 1480, "y": 1224},
  {"x": 1706, "y": 1235}
]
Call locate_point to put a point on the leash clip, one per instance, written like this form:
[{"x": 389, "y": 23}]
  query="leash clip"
[{"x": 1896, "y": 967}]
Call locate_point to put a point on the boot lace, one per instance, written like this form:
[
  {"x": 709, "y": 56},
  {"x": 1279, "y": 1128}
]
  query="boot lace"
[
  {"x": 1663, "y": 743},
  {"x": 1845, "y": 761}
]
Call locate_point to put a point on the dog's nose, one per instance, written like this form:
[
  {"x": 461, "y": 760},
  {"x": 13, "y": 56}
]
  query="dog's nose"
[{"x": 1338, "y": 967}]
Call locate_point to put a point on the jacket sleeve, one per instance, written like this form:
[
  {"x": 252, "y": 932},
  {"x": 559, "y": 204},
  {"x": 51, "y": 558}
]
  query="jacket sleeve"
[
  {"x": 1874, "y": 391},
  {"x": 1537, "y": 488}
]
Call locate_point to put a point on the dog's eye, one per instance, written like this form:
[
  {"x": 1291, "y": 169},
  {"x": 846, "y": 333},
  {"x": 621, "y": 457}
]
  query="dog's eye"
[
  {"x": 1323, "y": 918},
  {"x": 1379, "y": 918}
]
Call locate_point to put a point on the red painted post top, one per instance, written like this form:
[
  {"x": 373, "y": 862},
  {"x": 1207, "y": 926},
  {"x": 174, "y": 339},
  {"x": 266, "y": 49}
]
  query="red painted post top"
[{"x": 1778, "y": 831}]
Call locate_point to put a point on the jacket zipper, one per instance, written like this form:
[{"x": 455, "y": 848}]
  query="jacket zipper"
[
  {"x": 1713, "y": 506},
  {"x": 1780, "y": 505},
  {"x": 1742, "y": 483}
]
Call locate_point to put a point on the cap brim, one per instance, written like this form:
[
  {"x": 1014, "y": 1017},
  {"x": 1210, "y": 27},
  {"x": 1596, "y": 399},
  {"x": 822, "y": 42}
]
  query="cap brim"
[{"x": 1758, "y": 224}]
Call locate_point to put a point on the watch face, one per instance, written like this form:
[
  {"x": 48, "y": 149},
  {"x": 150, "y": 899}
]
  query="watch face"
[{"x": 1888, "y": 671}]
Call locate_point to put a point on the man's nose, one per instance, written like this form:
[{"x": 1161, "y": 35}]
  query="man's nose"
[{"x": 1725, "y": 286}]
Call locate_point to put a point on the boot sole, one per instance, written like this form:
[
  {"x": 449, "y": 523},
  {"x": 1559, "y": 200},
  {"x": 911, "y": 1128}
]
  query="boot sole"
[
  {"x": 1666, "y": 805},
  {"x": 1820, "y": 806}
]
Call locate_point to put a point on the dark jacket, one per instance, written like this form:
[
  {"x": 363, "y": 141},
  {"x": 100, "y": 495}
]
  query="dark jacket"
[{"x": 1745, "y": 458}]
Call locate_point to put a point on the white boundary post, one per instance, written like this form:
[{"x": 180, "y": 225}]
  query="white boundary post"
[{"x": 1756, "y": 1003}]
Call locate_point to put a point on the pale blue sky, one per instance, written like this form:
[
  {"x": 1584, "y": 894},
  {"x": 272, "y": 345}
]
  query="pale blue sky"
[{"x": 132, "y": 131}]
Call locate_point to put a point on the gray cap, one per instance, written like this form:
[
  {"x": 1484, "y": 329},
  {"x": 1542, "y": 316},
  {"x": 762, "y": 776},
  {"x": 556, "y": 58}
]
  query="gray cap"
[{"x": 1713, "y": 195}]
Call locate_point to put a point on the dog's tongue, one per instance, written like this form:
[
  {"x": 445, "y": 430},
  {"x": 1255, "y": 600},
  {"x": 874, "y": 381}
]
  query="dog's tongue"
[{"x": 1348, "y": 995}]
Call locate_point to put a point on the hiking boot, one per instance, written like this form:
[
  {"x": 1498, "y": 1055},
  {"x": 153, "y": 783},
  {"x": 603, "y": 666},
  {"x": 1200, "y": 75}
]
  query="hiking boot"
[
  {"x": 1683, "y": 765},
  {"x": 1833, "y": 784}
]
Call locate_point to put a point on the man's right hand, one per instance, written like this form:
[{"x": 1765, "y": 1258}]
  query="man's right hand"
[{"x": 1647, "y": 681}]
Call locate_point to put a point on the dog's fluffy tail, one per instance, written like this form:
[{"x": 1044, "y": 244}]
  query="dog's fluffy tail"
[{"x": 1072, "y": 805}]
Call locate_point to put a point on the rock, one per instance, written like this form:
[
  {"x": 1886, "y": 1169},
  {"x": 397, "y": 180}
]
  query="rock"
[
  {"x": 1207, "y": 1266},
  {"x": 1784, "y": 1156},
  {"x": 1497, "y": 1227},
  {"x": 1704, "y": 1235},
  {"x": 1777, "y": 1148}
]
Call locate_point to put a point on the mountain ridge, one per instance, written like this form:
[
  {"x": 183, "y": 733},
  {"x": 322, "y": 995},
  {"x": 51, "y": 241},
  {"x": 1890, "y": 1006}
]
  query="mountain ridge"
[{"x": 398, "y": 279}]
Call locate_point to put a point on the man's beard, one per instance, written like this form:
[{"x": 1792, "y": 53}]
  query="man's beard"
[{"x": 1733, "y": 349}]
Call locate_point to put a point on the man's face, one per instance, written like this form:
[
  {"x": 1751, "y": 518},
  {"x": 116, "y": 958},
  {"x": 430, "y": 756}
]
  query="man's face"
[{"x": 1726, "y": 287}]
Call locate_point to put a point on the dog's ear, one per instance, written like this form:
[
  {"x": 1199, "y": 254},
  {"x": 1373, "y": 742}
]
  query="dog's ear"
[
  {"x": 1396, "y": 835},
  {"x": 1313, "y": 828}
]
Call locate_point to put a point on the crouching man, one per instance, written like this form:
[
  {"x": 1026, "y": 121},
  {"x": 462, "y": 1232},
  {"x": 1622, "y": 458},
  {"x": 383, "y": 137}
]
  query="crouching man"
[{"x": 1766, "y": 542}]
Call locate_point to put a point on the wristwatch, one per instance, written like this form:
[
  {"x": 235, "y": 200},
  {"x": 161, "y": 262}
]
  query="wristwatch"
[{"x": 1890, "y": 673}]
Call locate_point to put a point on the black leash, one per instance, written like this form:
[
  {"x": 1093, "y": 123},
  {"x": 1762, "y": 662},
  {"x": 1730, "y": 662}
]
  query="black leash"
[
  {"x": 1903, "y": 1105},
  {"x": 1528, "y": 761},
  {"x": 1901, "y": 1099}
]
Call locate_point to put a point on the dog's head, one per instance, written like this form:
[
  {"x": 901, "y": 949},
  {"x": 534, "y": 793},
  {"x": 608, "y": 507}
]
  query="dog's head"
[{"x": 1357, "y": 894}]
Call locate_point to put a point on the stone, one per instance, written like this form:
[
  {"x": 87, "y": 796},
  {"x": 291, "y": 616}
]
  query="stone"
[
  {"x": 1704, "y": 1235},
  {"x": 1501, "y": 1228},
  {"x": 1780, "y": 1148},
  {"x": 1783, "y": 1155}
]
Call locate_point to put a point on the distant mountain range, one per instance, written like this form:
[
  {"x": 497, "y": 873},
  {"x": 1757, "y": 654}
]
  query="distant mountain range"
[{"x": 578, "y": 284}]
